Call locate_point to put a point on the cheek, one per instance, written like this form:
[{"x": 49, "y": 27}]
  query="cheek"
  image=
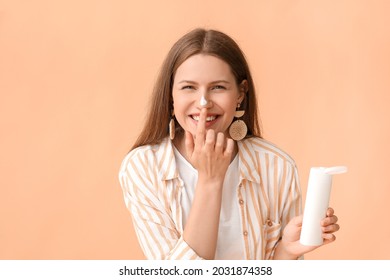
[
  {"x": 230, "y": 106},
  {"x": 180, "y": 109},
  {"x": 228, "y": 100},
  {"x": 176, "y": 101},
  {"x": 178, "y": 106}
]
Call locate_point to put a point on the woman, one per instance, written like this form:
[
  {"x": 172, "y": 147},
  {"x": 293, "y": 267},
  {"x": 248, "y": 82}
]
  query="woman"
[{"x": 200, "y": 182}]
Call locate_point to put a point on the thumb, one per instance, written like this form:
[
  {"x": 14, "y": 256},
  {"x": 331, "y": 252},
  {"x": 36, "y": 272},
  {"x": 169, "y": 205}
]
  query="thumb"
[{"x": 297, "y": 221}]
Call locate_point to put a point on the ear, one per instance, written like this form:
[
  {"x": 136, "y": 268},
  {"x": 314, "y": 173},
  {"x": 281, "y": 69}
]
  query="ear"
[
  {"x": 172, "y": 111},
  {"x": 242, "y": 89}
]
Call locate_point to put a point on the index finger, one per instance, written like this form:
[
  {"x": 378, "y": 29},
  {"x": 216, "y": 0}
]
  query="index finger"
[{"x": 201, "y": 127}]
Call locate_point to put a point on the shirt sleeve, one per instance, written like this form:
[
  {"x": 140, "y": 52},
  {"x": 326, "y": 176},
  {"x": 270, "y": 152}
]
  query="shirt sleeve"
[
  {"x": 291, "y": 200},
  {"x": 155, "y": 228},
  {"x": 292, "y": 205}
]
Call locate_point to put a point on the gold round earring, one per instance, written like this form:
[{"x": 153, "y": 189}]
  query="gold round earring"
[
  {"x": 172, "y": 126},
  {"x": 238, "y": 128}
]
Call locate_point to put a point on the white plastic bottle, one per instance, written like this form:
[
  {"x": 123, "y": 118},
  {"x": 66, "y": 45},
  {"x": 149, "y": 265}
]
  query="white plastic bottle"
[{"x": 317, "y": 202}]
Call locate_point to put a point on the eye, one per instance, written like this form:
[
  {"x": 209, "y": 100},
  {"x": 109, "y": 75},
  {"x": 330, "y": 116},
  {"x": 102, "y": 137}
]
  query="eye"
[
  {"x": 218, "y": 87},
  {"x": 187, "y": 87}
]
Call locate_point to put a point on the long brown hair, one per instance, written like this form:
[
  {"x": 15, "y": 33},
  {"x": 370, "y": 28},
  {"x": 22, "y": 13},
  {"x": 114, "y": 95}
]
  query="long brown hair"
[{"x": 198, "y": 41}]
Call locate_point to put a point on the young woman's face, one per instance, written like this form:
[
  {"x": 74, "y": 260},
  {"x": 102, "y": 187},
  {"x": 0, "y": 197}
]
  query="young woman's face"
[{"x": 211, "y": 78}]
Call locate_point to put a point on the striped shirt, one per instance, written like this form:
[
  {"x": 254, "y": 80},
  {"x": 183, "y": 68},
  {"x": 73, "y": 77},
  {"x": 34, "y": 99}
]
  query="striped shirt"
[{"x": 268, "y": 193}]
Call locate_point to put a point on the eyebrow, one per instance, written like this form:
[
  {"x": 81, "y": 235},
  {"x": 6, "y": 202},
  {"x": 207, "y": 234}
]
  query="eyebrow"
[{"x": 213, "y": 82}]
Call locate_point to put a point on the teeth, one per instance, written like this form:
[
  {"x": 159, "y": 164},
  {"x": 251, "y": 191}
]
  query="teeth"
[
  {"x": 211, "y": 118},
  {"x": 208, "y": 119}
]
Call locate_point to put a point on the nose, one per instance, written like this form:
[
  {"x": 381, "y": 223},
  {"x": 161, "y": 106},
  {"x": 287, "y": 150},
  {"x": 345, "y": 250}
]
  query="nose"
[{"x": 204, "y": 101}]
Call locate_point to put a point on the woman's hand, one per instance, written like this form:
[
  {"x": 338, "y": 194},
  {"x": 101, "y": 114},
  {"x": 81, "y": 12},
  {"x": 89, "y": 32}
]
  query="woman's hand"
[
  {"x": 290, "y": 247},
  {"x": 209, "y": 153}
]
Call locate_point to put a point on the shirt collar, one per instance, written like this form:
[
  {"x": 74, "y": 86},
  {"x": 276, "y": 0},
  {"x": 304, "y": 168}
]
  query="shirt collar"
[
  {"x": 248, "y": 161},
  {"x": 166, "y": 160}
]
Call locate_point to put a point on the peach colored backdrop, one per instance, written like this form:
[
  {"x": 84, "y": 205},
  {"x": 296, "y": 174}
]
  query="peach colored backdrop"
[{"x": 75, "y": 78}]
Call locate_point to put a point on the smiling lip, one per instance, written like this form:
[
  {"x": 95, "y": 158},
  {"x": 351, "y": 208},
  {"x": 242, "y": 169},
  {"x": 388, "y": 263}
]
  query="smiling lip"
[{"x": 210, "y": 120}]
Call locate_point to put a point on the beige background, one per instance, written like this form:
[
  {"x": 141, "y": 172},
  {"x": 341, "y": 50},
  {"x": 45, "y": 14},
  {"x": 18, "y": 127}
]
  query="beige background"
[{"x": 75, "y": 78}]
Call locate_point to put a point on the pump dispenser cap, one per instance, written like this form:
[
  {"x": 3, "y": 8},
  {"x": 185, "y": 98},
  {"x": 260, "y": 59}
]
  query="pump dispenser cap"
[{"x": 336, "y": 170}]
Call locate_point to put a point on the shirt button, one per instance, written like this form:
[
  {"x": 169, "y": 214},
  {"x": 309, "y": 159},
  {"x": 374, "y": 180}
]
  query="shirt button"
[
  {"x": 269, "y": 222},
  {"x": 245, "y": 233},
  {"x": 241, "y": 201}
]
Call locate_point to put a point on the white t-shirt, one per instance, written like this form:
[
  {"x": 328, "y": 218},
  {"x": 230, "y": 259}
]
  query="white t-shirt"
[{"x": 229, "y": 245}]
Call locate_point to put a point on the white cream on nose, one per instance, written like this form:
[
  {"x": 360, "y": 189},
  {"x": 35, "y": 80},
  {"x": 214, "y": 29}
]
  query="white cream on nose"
[{"x": 203, "y": 101}]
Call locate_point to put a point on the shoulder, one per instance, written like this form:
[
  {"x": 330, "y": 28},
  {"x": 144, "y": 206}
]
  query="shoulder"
[
  {"x": 143, "y": 156},
  {"x": 263, "y": 148}
]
